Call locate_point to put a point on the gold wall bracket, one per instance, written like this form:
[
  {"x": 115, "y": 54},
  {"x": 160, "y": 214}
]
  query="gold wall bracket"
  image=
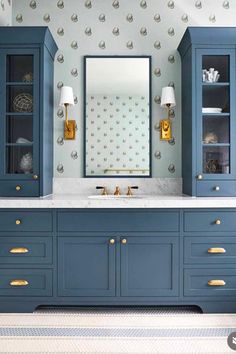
[
  {"x": 165, "y": 129},
  {"x": 69, "y": 130}
]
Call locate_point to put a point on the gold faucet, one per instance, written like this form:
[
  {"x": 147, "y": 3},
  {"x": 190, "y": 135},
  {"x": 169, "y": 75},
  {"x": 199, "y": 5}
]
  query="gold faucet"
[
  {"x": 104, "y": 190},
  {"x": 117, "y": 191},
  {"x": 129, "y": 192}
]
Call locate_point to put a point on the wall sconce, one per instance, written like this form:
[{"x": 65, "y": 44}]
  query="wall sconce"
[
  {"x": 67, "y": 99},
  {"x": 167, "y": 101}
]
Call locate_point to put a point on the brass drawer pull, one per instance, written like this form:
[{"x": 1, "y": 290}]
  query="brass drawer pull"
[
  {"x": 218, "y": 222},
  {"x": 124, "y": 241},
  {"x": 35, "y": 177},
  {"x": 18, "y": 188},
  {"x": 18, "y": 221},
  {"x": 17, "y": 250},
  {"x": 112, "y": 241},
  {"x": 19, "y": 282},
  {"x": 216, "y": 250},
  {"x": 216, "y": 282},
  {"x": 217, "y": 188}
]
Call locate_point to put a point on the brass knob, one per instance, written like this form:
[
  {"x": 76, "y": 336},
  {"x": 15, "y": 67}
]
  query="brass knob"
[
  {"x": 112, "y": 241},
  {"x": 217, "y": 188},
  {"x": 124, "y": 241},
  {"x": 199, "y": 177},
  {"x": 216, "y": 282},
  {"x": 216, "y": 250},
  {"x": 35, "y": 177},
  {"x": 217, "y": 222},
  {"x": 18, "y": 222},
  {"x": 19, "y": 282},
  {"x": 18, "y": 250},
  {"x": 18, "y": 188}
]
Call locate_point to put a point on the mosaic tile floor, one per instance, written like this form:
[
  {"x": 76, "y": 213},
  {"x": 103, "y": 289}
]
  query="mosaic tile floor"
[{"x": 103, "y": 331}]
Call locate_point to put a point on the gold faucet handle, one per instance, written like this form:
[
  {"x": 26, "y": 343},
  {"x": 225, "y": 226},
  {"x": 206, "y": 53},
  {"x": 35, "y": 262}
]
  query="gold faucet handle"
[
  {"x": 117, "y": 191},
  {"x": 129, "y": 192},
  {"x": 104, "y": 190}
]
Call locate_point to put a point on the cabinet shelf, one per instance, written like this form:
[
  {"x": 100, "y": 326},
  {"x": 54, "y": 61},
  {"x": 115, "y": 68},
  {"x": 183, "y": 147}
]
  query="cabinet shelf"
[
  {"x": 216, "y": 115},
  {"x": 213, "y": 84},
  {"x": 216, "y": 145},
  {"x": 19, "y": 144},
  {"x": 19, "y": 83},
  {"x": 19, "y": 114}
]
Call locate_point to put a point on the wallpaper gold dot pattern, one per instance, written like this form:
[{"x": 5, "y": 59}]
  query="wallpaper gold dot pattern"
[{"x": 120, "y": 27}]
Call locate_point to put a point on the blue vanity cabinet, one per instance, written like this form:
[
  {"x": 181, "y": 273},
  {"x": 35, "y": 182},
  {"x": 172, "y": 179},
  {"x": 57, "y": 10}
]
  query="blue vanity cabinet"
[
  {"x": 86, "y": 266},
  {"x": 26, "y": 111},
  {"x": 208, "y": 111},
  {"x": 150, "y": 266}
]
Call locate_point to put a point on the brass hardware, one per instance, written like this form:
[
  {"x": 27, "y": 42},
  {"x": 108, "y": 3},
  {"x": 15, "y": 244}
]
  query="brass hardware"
[
  {"x": 217, "y": 222},
  {"x": 112, "y": 241},
  {"x": 104, "y": 190},
  {"x": 18, "y": 222},
  {"x": 129, "y": 192},
  {"x": 35, "y": 177},
  {"x": 18, "y": 188},
  {"x": 19, "y": 282},
  {"x": 117, "y": 191},
  {"x": 199, "y": 177},
  {"x": 165, "y": 129},
  {"x": 216, "y": 250},
  {"x": 217, "y": 188},
  {"x": 124, "y": 241},
  {"x": 69, "y": 126},
  {"x": 17, "y": 250},
  {"x": 216, "y": 282}
]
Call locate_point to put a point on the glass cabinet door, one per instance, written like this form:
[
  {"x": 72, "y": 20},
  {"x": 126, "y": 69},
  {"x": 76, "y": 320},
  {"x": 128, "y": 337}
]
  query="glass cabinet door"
[
  {"x": 20, "y": 114},
  {"x": 214, "y": 126}
]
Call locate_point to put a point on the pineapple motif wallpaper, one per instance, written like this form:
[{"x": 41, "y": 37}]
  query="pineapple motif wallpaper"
[
  {"x": 119, "y": 27},
  {"x": 5, "y": 12}
]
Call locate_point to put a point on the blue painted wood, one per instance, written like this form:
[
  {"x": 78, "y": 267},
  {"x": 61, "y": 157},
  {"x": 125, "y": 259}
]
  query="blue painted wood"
[
  {"x": 136, "y": 220},
  {"x": 196, "y": 250},
  {"x": 86, "y": 266},
  {"x": 196, "y": 43},
  {"x": 196, "y": 283},
  {"x": 38, "y": 42},
  {"x": 200, "y": 221},
  {"x": 39, "y": 282},
  {"x": 39, "y": 250},
  {"x": 149, "y": 266},
  {"x": 29, "y": 221}
]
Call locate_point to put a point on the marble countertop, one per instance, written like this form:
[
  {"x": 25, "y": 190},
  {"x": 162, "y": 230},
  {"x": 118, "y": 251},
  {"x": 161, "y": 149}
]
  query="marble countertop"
[{"x": 145, "y": 201}]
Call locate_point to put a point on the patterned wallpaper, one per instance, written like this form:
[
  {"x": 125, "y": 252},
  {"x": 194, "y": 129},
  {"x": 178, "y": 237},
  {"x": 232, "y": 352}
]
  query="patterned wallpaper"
[
  {"x": 5, "y": 12},
  {"x": 115, "y": 137},
  {"x": 107, "y": 27}
]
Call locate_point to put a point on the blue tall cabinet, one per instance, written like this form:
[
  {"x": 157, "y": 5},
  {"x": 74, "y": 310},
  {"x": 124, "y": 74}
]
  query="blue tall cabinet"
[
  {"x": 209, "y": 111},
  {"x": 26, "y": 111}
]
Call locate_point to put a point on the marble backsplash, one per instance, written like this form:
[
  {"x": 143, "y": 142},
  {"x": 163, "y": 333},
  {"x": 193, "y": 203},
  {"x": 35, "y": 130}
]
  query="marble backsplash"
[{"x": 147, "y": 186}]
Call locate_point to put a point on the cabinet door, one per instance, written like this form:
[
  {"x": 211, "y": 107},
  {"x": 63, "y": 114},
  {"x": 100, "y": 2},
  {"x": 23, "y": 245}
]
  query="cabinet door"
[
  {"x": 149, "y": 266},
  {"x": 216, "y": 126},
  {"x": 19, "y": 136},
  {"x": 86, "y": 266}
]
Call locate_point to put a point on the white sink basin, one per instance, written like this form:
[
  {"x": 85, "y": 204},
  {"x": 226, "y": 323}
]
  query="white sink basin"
[{"x": 122, "y": 196}]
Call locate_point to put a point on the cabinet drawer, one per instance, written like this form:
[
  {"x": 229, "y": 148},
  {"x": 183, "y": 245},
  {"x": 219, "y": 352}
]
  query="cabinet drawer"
[
  {"x": 23, "y": 282},
  {"x": 27, "y": 188},
  {"x": 197, "y": 282},
  {"x": 25, "y": 250},
  {"x": 212, "y": 221},
  {"x": 118, "y": 221},
  {"x": 216, "y": 188},
  {"x": 209, "y": 250},
  {"x": 25, "y": 221}
]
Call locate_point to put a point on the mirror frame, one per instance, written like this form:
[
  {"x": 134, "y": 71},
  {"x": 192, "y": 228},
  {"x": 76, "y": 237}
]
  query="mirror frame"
[{"x": 150, "y": 116}]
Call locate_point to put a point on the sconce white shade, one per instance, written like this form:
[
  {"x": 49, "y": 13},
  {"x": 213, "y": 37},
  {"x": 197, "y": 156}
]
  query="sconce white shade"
[
  {"x": 168, "y": 97},
  {"x": 67, "y": 96}
]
